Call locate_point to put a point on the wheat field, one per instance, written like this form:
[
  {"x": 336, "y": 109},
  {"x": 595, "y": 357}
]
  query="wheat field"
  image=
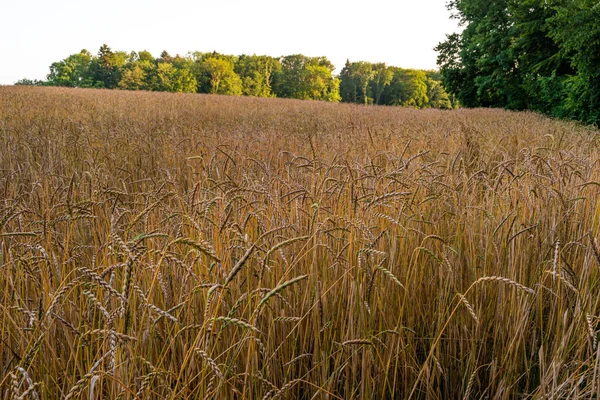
[{"x": 167, "y": 246}]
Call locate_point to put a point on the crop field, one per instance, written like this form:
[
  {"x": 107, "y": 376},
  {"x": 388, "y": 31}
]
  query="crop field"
[{"x": 171, "y": 246}]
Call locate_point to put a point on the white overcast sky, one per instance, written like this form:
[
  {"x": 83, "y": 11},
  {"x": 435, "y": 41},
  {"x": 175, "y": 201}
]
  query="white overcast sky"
[{"x": 35, "y": 33}]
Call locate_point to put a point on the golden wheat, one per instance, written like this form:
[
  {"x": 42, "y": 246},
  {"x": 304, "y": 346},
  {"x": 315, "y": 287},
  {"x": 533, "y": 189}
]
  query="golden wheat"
[{"x": 170, "y": 246}]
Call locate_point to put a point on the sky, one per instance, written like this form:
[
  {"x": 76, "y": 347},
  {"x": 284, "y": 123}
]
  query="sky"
[{"x": 403, "y": 33}]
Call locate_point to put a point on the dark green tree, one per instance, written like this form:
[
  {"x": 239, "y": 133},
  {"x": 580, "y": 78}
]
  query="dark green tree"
[
  {"x": 348, "y": 86},
  {"x": 540, "y": 55},
  {"x": 576, "y": 29},
  {"x": 106, "y": 67},
  {"x": 354, "y": 82}
]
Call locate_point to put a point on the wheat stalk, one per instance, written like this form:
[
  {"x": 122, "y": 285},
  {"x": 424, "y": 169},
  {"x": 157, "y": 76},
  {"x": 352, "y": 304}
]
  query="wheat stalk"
[
  {"x": 505, "y": 281},
  {"x": 470, "y": 308},
  {"x": 237, "y": 322},
  {"x": 278, "y": 289},
  {"x": 390, "y": 275}
]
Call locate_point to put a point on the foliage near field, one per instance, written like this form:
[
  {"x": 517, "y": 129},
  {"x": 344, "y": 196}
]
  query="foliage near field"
[
  {"x": 295, "y": 76},
  {"x": 376, "y": 83},
  {"x": 541, "y": 55},
  {"x": 169, "y": 246}
]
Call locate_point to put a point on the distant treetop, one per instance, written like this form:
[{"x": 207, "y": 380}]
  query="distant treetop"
[{"x": 294, "y": 76}]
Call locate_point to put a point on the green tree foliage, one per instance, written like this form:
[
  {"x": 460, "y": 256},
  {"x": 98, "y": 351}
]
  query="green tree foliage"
[
  {"x": 541, "y": 55},
  {"x": 366, "y": 83},
  {"x": 308, "y": 78},
  {"x": 174, "y": 74},
  {"x": 184, "y": 79},
  {"x": 576, "y": 29},
  {"x": 165, "y": 73},
  {"x": 106, "y": 67},
  {"x": 348, "y": 88},
  {"x": 133, "y": 75},
  {"x": 73, "y": 71},
  {"x": 321, "y": 84},
  {"x": 30, "y": 82},
  {"x": 458, "y": 70},
  {"x": 295, "y": 76},
  {"x": 256, "y": 73},
  {"x": 217, "y": 76},
  {"x": 356, "y": 77},
  {"x": 382, "y": 76},
  {"x": 407, "y": 88},
  {"x": 436, "y": 95}
]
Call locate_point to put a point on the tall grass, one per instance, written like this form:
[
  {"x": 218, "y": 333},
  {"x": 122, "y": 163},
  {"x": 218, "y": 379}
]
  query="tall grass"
[{"x": 162, "y": 246}]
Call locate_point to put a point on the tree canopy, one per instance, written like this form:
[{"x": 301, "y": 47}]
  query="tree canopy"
[
  {"x": 367, "y": 83},
  {"x": 294, "y": 76},
  {"x": 541, "y": 55}
]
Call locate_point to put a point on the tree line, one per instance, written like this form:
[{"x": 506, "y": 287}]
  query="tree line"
[
  {"x": 541, "y": 55},
  {"x": 294, "y": 76}
]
